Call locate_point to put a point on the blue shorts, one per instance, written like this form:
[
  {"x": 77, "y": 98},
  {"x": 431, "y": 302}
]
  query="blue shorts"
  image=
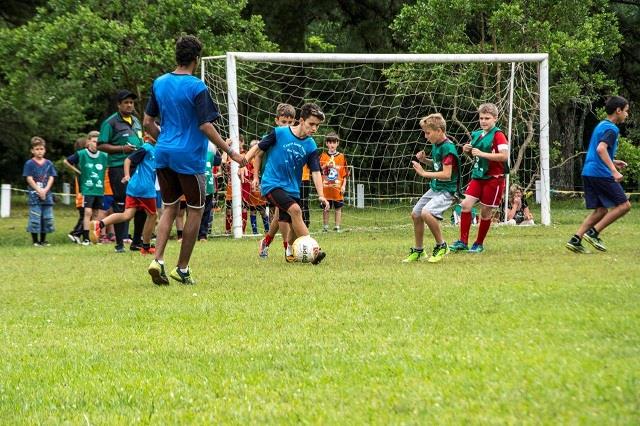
[
  {"x": 334, "y": 204},
  {"x": 603, "y": 192},
  {"x": 107, "y": 202}
]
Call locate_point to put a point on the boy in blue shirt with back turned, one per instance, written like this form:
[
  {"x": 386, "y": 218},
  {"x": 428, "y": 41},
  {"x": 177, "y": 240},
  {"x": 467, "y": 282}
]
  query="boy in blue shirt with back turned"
[{"x": 602, "y": 190}]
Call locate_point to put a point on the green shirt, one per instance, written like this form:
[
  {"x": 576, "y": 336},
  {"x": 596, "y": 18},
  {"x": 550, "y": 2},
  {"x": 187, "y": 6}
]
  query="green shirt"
[
  {"x": 438, "y": 153},
  {"x": 92, "y": 168},
  {"x": 116, "y": 131},
  {"x": 484, "y": 144}
]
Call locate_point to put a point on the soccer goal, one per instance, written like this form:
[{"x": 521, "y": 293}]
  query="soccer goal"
[{"x": 375, "y": 101}]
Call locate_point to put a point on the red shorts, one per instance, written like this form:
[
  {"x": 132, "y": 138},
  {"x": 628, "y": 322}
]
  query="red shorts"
[
  {"x": 146, "y": 204},
  {"x": 488, "y": 191}
]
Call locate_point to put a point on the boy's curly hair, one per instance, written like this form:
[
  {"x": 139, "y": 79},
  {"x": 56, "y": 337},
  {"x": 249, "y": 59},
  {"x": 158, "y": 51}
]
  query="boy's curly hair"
[{"x": 188, "y": 49}]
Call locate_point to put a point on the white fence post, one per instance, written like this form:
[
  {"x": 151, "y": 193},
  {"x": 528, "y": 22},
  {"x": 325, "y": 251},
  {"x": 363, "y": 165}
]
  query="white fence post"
[
  {"x": 66, "y": 190},
  {"x": 5, "y": 200},
  {"x": 360, "y": 196}
]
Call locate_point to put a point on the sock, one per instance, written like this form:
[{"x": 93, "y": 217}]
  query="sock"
[
  {"x": 419, "y": 250},
  {"x": 485, "y": 224},
  {"x": 254, "y": 224},
  {"x": 179, "y": 231},
  {"x": 465, "y": 225},
  {"x": 43, "y": 237},
  {"x": 160, "y": 261},
  {"x": 592, "y": 232},
  {"x": 268, "y": 239},
  {"x": 228, "y": 219},
  {"x": 265, "y": 223},
  {"x": 285, "y": 244},
  {"x": 575, "y": 239},
  {"x": 85, "y": 234},
  {"x": 101, "y": 224},
  {"x": 287, "y": 251},
  {"x": 184, "y": 270},
  {"x": 34, "y": 237},
  {"x": 244, "y": 221}
]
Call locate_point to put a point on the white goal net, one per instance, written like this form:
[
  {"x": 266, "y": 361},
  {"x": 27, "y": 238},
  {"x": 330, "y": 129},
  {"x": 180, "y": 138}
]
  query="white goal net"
[{"x": 374, "y": 103}]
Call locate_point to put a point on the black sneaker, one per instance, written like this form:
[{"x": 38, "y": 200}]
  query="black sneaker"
[
  {"x": 319, "y": 257},
  {"x": 596, "y": 242},
  {"x": 135, "y": 247},
  {"x": 576, "y": 247}
]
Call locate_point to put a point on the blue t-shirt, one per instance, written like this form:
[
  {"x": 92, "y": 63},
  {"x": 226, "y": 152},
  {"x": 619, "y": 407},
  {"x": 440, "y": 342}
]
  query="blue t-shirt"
[
  {"x": 606, "y": 132},
  {"x": 183, "y": 104},
  {"x": 287, "y": 156},
  {"x": 143, "y": 181},
  {"x": 40, "y": 174}
]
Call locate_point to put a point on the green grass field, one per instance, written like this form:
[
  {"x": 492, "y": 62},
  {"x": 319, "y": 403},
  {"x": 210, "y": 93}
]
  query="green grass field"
[{"x": 525, "y": 333}]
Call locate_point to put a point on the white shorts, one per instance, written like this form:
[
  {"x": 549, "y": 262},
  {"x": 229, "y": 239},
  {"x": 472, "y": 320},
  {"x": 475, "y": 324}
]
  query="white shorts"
[{"x": 434, "y": 202}]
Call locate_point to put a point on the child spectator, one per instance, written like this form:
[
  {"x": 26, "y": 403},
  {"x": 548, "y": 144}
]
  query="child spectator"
[
  {"x": 40, "y": 174},
  {"x": 92, "y": 165},
  {"x": 490, "y": 151},
  {"x": 76, "y": 233},
  {"x": 518, "y": 210},
  {"x": 213, "y": 159},
  {"x": 226, "y": 161},
  {"x": 334, "y": 180},
  {"x": 255, "y": 201},
  {"x": 442, "y": 188},
  {"x": 141, "y": 195}
]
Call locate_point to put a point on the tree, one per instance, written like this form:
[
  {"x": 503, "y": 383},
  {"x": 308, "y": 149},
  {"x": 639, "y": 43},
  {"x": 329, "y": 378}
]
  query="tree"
[{"x": 59, "y": 71}]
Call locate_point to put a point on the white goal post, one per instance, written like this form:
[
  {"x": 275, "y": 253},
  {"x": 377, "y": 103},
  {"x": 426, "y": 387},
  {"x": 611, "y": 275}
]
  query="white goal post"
[{"x": 398, "y": 76}]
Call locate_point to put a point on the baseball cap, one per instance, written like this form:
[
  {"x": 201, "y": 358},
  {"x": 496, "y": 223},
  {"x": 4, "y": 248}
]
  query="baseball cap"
[{"x": 125, "y": 94}]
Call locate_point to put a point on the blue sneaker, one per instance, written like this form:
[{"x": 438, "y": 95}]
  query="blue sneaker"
[
  {"x": 476, "y": 248},
  {"x": 458, "y": 246}
]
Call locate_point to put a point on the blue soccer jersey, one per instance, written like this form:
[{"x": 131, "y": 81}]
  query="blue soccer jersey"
[
  {"x": 143, "y": 181},
  {"x": 607, "y": 132},
  {"x": 287, "y": 156},
  {"x": 183, "y": 104}
]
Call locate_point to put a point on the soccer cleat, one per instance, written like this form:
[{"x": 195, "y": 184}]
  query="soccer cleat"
[
  {"x": 289, "y": 258},
  {"x": 158, "y": 276},
  {"x": 263, "y": 249},
  {"x": 135, "y": 247},
  {"x": 439, "y": 251},
  {"x": 150, "y": 250},
  {"x": 476, "y": 248},
  {"x": 119, "y": 249},
  {"x": 86, "y": 243},
  {"x": 458, "y": 246},
  {"x": 576, "y": 247},
  {"x": 414, "y": 256},
  {"x": 182, "y": 277},
  {"x": 319, "y": 258},
  {"x": 596, "y": 242},
  {"x": 72, "y": 238},
  {"x": 94, "y": 231}
]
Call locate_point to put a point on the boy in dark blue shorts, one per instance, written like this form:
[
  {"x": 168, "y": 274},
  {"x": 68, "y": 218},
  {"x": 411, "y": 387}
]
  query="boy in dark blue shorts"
[{"x": 602, "y": 190}]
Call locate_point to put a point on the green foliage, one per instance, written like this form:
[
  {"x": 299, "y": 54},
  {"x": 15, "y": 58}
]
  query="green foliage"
[
  {"x": 525, "y": 333},
  {"x": 629, "y": 153},
  {"x": 59, "y": 71},
  {"x": 576, "y": 34}
]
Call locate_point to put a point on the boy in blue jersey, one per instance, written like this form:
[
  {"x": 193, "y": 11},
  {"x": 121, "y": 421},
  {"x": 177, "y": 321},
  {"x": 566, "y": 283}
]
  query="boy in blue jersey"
[
  {"x": 290, "y": 148},
  {"x": 140, "y": 196},
  {"x": 602, "y": 190},
  {"x": 186, "y": 112}
]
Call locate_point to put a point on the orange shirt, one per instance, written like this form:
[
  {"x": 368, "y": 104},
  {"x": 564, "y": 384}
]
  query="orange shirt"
[
  {"x": 79, "y": 197},
  {"x": 334, "y": 172},
  {"x": 306, "y": 174}
]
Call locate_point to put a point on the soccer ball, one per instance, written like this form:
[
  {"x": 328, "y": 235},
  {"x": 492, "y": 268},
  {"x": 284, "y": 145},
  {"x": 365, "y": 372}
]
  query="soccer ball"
[{"x": 305, "y": 249}]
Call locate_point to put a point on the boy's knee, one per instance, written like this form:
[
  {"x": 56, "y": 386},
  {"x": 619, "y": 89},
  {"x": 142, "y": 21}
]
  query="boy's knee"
[
  {"x": 294, "y": 210},
  {"x": 626, "y": 207}
]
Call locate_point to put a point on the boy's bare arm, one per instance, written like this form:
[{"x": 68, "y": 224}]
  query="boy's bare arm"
[
  {"x": 604, "y": 156},
  {"x": 32, "y": 183},
  {"x": 317, "y": 182},
  {"x": 211, "y": 132},
  {"x": 491, "y": 156},
  {"x": 49, "y": 184},
  {"x": 253, "y": 151},
  {"x": 444, "y": 174},
  {"x": 71, "y": 166},
  {"x": 127, "y": 168}
]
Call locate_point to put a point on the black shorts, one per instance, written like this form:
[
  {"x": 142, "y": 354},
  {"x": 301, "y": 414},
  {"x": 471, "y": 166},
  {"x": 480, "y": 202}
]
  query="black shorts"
[
  {"x": 603, "y": 192},
  {"x": 174, "y": 185},
  {"x": 282, "y": 201},
  {"x": 94, "y": 202},
  {"x": 334, "y": 204}
]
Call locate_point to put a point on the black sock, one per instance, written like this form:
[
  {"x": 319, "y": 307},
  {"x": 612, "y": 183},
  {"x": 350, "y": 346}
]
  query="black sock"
[
  {"x": 43, "y": 237},
  {"x": 179, "y": 233},
  {"x": 419, "y": 250},
  {"x": 34, "y": 237},
  {"x": 85, "y": 234},
  {"x": 576, "y": 239},
  {"x": 101, "y": 224}
]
